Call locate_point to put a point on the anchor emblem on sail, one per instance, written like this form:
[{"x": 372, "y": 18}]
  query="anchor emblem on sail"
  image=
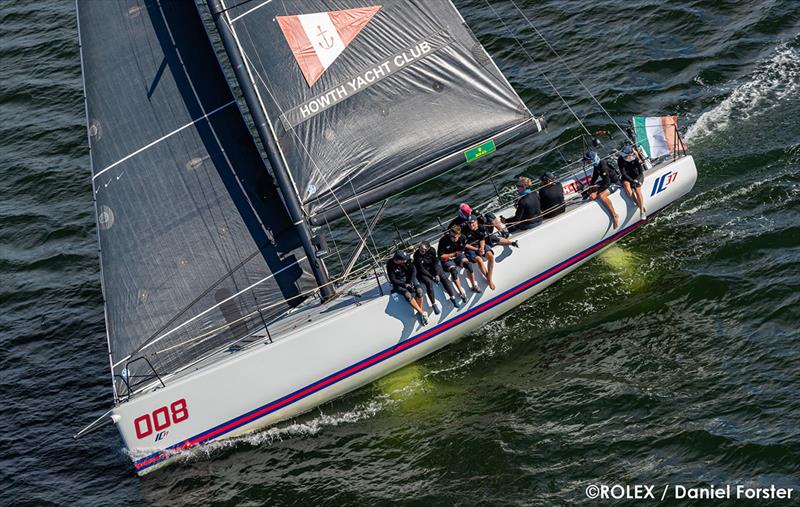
[
  {"x": 325, "y": 43},
  {"x": 317, "y": 39}
]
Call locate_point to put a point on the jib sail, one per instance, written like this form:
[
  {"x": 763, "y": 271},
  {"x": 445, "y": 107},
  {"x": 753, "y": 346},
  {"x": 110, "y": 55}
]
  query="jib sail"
[
  {"x": 367, "y": 99},
  {"x": 196, "y": 246}
]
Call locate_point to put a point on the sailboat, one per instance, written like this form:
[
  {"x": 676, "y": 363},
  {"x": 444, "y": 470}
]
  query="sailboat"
[{"x": 222, "y": 315}]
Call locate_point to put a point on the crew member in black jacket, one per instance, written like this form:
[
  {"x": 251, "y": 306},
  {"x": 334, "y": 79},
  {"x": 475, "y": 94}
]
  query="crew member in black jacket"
[
  {"x": 632, "y": 177},
  {"x": 451, "y": 254},
  {"x": 604, "y": 182},
  {"x": 551, "y": 196},
  {"x": 478, "y": 249},
  {"x": 529, "y": 210},
  {"x": 430, "y": 272},
  {"x": 403, "y": 277}
]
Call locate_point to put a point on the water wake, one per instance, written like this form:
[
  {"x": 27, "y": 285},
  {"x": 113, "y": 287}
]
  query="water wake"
[
  {"x": 773, "y": 81},
  {"x": 728, "y": 195},
  {"x": 296, "y": 428}
]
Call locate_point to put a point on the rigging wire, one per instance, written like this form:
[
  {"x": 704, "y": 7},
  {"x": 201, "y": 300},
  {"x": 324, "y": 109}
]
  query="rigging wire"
[
  {"x": 212, "y": 333},
  {"x": 520, "y": 164},
  {"x": 363, "y": 215},
  {"x": 157, "y": 336},
  {"x": 333, "y": 238},
  {"x": 541, "y": 71},
  {"x": 360, "y": 270},
  {"x": 308, "y": 153},
  {"x": 357, "y": 272},
  {"x": 569, "y": 69},
  {"x": 530, "y": 57}
]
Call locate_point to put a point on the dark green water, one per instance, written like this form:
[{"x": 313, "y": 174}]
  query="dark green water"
[{"x": 673, "y": 359}]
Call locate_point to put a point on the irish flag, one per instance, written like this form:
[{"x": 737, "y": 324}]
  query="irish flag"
[
  {"x": 317, "y": 39},
  {"x": 658, "y": 135}
]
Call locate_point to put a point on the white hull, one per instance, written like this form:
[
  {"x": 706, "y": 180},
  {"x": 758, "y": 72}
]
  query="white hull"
[{"x": 334, "y": 354}]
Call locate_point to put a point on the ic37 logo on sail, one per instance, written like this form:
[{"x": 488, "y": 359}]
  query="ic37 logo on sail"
[{"x": 663, "y": 182}]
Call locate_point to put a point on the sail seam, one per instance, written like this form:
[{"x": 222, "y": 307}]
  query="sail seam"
[
  {"x": 245, "y": 13},
  {"x": 143, "y": 148},
  {"x": 156, "y": 340}
]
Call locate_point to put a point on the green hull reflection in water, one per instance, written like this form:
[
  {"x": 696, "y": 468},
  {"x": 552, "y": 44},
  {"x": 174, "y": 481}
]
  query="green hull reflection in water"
[
  {"x": 626, "y": 265},
  {"x": 410, "y": 386}
]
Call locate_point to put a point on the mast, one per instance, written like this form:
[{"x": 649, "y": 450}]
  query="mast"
[
  {"x": 406, "y": 94},
  {"x": 267, "y": 136}
]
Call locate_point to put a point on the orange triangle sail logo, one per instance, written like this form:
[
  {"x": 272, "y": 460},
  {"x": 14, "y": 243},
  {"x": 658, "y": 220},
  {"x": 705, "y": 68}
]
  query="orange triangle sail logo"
[{"x": 317, "y": 39}]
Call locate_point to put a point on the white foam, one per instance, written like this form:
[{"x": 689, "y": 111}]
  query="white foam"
[
  {"x": 772, "y": 81},
  {"x": 279, "y": 433},
  {"x": 720, "y": 197},
  {"x": 492, "y": 342}
]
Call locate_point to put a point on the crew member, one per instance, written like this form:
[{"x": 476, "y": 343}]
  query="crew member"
[
  {"x": 477, "y": 249},
  {"x": 529, "y": 209},
  {"x": 632, "y": 177},
  {"x": 604, "y": 182},
  {"x": 451, "y": 254},
  {"x": 486, "y": 220},
  {"x": 403, "y": 277},
  {"x": 430, "y": 272},
  {"x": 551, "y": 196}
]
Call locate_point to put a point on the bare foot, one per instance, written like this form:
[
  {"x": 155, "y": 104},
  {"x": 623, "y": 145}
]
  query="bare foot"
[
  {"x": 616, "y": 221},
  {"x": 492, "y": 285}
]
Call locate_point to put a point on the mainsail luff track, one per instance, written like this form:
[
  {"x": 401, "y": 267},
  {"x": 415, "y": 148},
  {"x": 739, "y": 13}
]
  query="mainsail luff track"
[{"x": 266, "y": 133}]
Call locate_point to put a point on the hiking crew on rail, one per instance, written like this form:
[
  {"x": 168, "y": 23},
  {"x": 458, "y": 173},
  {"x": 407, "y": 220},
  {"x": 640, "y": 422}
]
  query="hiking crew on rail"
[{"x": 471, "y": 235}]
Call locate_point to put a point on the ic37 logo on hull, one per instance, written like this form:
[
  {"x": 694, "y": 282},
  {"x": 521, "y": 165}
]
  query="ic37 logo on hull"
[{"x": 663, "y": 182}]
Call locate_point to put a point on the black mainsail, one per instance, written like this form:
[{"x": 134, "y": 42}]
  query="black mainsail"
[
  {"x": 352, "y": 103},
  {"x": 196, "y": 244},
  {"x": 366, "y": 100}
]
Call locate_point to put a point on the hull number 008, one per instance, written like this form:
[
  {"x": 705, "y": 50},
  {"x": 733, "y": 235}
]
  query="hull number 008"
[{"x": 161, "y": 418}]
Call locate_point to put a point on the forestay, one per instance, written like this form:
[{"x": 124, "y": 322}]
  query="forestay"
[
  {"x": 194, "y": 238},
  {"x": 371, "y": 98}
]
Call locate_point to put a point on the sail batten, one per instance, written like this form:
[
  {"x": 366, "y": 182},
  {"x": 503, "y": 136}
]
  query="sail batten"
[
  {"x": 195, "y": 239},
  {"x": 162, "y": 138},
  {"x": 364, "y": 95},
  {"x": 160, "y": 337}
]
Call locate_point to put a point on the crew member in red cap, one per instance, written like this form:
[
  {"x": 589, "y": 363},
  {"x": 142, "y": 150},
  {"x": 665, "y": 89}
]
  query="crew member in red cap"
[{"x": 487, "y": 221}]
